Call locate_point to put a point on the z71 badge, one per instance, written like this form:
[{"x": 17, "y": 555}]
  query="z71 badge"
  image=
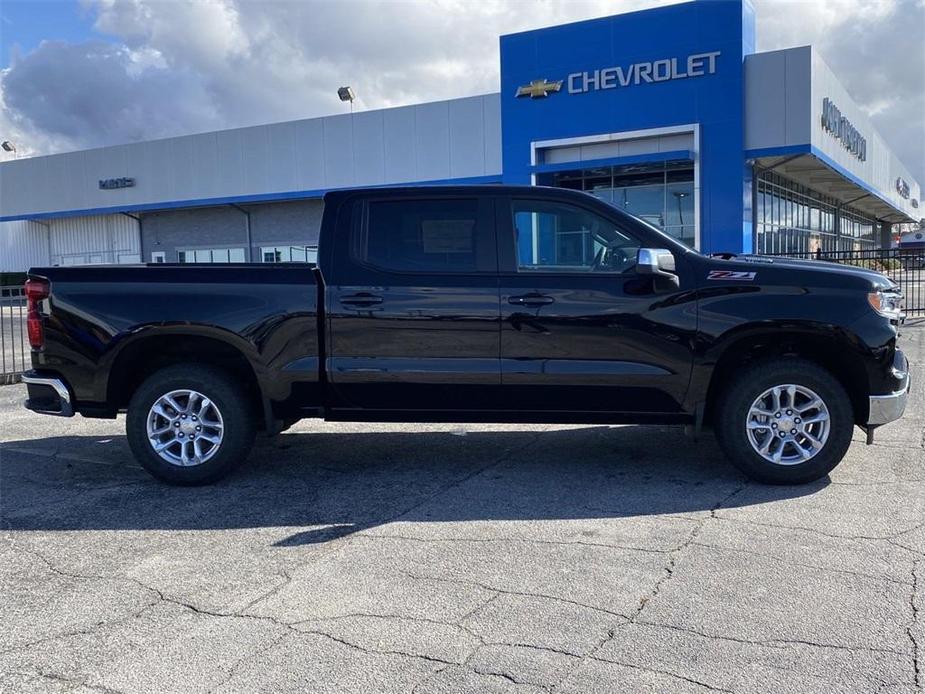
[{"x": 732, "y": 275}]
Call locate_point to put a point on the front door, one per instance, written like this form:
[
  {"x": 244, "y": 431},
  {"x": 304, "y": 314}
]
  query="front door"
[
  {"x": 580, "y": 330},
  {"x": 413, "y": 312}
]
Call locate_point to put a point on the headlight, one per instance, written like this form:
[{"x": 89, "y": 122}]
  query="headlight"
[{"x": 887, "y": 304}]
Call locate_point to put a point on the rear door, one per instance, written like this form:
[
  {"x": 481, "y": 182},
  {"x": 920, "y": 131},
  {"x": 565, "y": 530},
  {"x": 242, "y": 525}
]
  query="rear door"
[
  {"x": 413, "y": 309},
  {"x": 581, "y": 331}
]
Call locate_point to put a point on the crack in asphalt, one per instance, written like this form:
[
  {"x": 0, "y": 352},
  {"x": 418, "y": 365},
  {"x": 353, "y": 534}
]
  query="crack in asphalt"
[
  {"x": 911, "y": 629},
  {"x": 533, "y": 647},
  {"x": 287, "y": 579},
  {"x": 465, "y": 478},
  {"x": 510, "y": 678},
  {"x": 69, "y": 681},
  {"x": 424, "y": 680},
  {"x": 248, "y": 658},
  {"x": 396, "y": 617},
  {"x": 524, "y": 540},
  {"x": 375, "y": 651},
  {"x": 900, "y": 545},
  {"x": 667, "y": 673},
  {"x": 835, "y": 536},
  {"x": 791, "y": 562},
  {"x": 291, "y": 629},
  {"x": 668, "y": 573},
  {"x": 772, "y": 643},
  {"x": 57, "y": 455},
  {"x": 504, "y": 591},
  {"x": 884, "y": 483},
  {"x": 516, "y": 645},
  {"x": 341, "y": 543}
]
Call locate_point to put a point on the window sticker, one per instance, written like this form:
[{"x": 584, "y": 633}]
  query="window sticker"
[{"x": 447, "y": 235}]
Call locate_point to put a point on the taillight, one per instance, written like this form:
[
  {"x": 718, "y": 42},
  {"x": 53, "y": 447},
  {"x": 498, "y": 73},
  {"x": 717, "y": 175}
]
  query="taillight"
[{"x": 36, "y": 291}]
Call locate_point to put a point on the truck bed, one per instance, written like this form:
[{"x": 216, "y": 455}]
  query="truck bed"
[{"x": 107, "y": 324}]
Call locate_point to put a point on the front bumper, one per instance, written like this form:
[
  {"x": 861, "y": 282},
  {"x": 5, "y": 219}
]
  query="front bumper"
[
  {"x": 48, "y": 395},
  {"x": 887, "y": 408}
]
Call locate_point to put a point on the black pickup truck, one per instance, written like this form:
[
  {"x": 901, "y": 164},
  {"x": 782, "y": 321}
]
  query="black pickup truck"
[{"x": 474, "y": 304}]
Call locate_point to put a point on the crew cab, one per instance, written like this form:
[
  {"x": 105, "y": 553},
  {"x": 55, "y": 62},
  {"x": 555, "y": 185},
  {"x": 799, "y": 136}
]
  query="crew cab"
[{"x": 473, "y": 304}]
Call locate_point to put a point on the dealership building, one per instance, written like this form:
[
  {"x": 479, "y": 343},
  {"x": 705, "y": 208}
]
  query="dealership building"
[{"x": 667, "y": 113}]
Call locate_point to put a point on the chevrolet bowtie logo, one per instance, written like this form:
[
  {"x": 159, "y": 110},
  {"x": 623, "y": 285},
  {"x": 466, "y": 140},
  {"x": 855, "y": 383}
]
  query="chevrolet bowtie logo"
[{"x": 537, "y": 89}]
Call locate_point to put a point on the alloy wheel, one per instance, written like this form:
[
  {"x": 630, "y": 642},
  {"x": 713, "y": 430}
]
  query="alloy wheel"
[
  {"x": 185, "y": 428},
  {"x": 788, "y": 424}
]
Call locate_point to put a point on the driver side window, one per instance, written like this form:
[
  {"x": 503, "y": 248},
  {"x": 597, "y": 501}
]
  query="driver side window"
[{"x": 558, "y": 237}]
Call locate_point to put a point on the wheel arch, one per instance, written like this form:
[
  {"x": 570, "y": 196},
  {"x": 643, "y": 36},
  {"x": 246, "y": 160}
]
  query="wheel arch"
[
  {"x": 152, "y": 350},
  {"x": 832, "y": 349}
]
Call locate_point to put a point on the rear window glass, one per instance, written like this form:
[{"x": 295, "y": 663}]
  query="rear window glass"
[{"x": 421, "y": 236}]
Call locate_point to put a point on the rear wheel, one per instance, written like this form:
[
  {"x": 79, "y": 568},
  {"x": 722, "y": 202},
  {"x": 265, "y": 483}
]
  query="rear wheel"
[
  {"x": 785, "y": 421},
  {"x": 189, "y": 424}
]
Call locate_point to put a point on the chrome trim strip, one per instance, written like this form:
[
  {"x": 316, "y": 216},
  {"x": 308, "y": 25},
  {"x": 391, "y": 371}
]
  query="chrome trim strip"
[
  {"x": 887, "y": 408},
  {"x": 67, "y": 409}
]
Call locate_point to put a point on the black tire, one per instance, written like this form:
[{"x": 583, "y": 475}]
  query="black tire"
[
  {"x": 236, "y": 412},
  {"x": 735, "y": 401}
]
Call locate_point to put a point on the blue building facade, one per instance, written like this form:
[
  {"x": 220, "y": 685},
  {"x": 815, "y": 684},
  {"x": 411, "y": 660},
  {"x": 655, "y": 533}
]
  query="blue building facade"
[{"x": 616, "y": 91}]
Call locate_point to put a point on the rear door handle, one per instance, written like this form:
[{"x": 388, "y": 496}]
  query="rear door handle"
[
  {"x": 361, "y": 299},
  {"x": 531, "y": 300}
]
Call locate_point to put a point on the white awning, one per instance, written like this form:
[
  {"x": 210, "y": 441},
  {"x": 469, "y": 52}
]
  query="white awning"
[{"x": 808, "y": 170}]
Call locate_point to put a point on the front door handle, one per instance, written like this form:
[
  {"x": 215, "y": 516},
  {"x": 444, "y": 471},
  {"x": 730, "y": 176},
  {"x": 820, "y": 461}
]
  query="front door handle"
[
  {"x": 361, "y": 299},
  {"x": 531, "y": 300}
]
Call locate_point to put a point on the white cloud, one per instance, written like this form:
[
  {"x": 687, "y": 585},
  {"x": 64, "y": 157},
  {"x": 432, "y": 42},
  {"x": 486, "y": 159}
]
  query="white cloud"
[
  {"x": 178, "y": 67},
  {"x": 875, "y": 49}
]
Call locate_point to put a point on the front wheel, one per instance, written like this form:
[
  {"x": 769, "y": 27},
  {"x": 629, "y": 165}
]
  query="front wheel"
[
  {"x": 784, "y": 421},
  {"x": 189, "y": 424}
]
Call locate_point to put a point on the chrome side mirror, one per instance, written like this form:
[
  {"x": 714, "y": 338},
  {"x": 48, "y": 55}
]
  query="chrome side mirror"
[
  {"x": 655, "y": 261},
  {"x": 659, "y": 263}
]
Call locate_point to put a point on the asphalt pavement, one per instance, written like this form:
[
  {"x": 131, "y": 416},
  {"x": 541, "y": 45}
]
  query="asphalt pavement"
[{"x": 459, "y": 558}]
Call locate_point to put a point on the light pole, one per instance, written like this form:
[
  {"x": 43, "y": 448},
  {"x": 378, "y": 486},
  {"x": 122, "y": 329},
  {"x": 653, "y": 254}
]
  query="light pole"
[
  {"x": 347, "y": 94},
  {"x": 8, "y": 146},
  {"x": 678, "y": 196}
]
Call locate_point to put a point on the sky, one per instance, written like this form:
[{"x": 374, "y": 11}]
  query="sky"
[{"x": 85, "y": 73}]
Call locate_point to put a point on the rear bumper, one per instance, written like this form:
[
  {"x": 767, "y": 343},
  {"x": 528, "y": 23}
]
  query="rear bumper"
[
  {"x": 48, "y": 395},
  {"x": 890, "y": 407}
]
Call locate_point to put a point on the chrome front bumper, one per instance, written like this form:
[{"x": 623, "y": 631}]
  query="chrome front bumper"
[
  {"x": 887, "y": 408},
  {"x": 48, "y": 395}
]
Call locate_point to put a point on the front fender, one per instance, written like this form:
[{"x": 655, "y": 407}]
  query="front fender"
[{"x": 839, "y": 348}]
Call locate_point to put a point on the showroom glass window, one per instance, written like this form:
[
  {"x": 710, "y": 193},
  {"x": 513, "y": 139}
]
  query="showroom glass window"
[
  {"x": 560, "y": 237},
  {"x": 791, "y": 218},
  {"x": 424, "y": 236},
  {"x": 662, "y": 194},
  {"x": 289, "y": 254},
  {"x": 210, "y": 255}
]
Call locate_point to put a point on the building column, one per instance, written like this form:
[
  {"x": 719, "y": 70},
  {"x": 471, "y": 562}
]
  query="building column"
[
  {"x": 886, "y": 234},
  {"x": 837, "y": 227}
]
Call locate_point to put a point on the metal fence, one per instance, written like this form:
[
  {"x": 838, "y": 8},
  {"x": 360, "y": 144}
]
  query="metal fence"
[
  {"x": 906, "y": 267},
  {"x": 15, "y": 356}
]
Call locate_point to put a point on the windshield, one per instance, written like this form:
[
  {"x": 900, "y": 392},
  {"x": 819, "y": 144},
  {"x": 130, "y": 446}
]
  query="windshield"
[{"x": 670, "y": 241}]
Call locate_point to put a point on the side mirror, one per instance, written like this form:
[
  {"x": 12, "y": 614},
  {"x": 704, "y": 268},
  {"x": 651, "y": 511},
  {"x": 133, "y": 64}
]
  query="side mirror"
[
  {"x": 655, "y": 261},
  {"x": 658, "y": 262}
]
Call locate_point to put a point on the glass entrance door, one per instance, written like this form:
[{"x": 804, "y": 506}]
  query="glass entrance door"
[{"x": 661, "y": 194}]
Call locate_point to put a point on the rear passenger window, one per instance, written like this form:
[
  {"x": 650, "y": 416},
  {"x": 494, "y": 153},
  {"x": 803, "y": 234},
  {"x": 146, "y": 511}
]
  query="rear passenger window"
[{"x": 424, "y": 236}]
